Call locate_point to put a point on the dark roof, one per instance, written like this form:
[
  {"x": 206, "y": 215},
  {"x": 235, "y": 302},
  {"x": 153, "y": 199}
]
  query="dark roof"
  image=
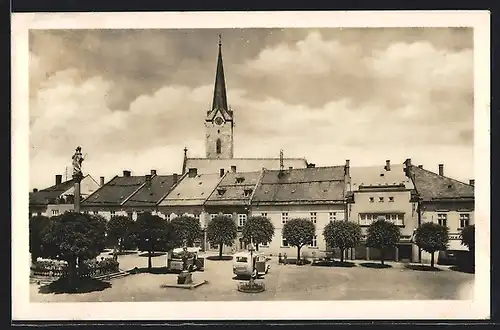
[
  {"x": 234, "y": 186},
  {"x": 150, "y": 194},
  {"x": 308, "y": 185},
  {"x": 116, "y": 191},
  {"x": 432, "y": 186},
  {"x": 49, "y": 195}
]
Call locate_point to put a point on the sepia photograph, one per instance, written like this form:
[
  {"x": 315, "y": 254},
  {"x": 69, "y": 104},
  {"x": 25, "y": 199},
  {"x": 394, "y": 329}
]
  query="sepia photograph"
[{"x": 240, "y": 163}]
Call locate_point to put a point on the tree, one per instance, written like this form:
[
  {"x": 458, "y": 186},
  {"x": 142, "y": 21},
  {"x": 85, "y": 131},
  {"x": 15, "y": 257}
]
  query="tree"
[
  {"x": 432, "y": 237},
  {"x": 221, "y": 230},
  {"x": 259, "y": 230},
  {"x": 152, "y": 233},
  {"x": 119, "y": 229},
  {"x": 186, "y": 229},
  {"x": 382, "y": 235},
  {"x": 37, "y": 227},
  {"x": 343, "y": 235},
  {"x": 299, "y": 232},
  {"x": 74, "y": 237},
  {"x": 467, "y": 237}
]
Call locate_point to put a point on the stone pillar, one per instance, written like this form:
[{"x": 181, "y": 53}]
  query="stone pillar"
[
  {"x": 367, "y": 253},
  {"x": 397, "y": 253},
  {"x": 77, "y": 179},
  {"x": 205, "y": 247}
]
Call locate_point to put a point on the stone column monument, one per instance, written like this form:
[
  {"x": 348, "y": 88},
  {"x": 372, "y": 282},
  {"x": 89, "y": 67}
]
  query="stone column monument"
[{"x": 77, "y": 176}]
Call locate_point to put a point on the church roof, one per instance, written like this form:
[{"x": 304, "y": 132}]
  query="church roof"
[
  {"x": 206, "y": 165},
  {"x": 318, "y": 185},
  {"x": 432, "y": 186},
  {"x": 234, "y": 189},
  {"x": 219, "y": 102}
]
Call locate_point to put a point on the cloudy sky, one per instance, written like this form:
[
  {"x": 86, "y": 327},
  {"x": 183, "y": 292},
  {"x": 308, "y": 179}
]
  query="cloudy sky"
[{"x": 133, "y": 99}]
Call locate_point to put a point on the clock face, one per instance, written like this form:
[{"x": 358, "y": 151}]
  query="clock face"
[{"x": 218, "y": 121}]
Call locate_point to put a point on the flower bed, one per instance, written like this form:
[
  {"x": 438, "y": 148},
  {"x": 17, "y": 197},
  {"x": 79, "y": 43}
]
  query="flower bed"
[
  {"x": 251, "y": 287},
  {"x": 89, "y": 268}
]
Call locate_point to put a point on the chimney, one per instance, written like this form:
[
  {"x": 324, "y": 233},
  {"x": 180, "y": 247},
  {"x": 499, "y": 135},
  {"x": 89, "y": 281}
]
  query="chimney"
[
  {"x": 126, "y": 173},
  {"x": 233, "y": 168},
  {"x": 193, "y": 172},
  {"x": 175, "y": 178},
  {"x": 221, "y": 172},
  {"x": 101, "y": 181},
  {"x": 290, "y": 168},
  {"x": 347, "y": 167},
  {"x": 471, "y": 182},
  {"x": 58, "y": 179},
  {"x": 35, "y": 190},
  {"x": 388, "y": 165},
  {"x": 441, "y": 169},
  {"x": 420, "y": 166},
  {"x": 153, "y": 172},
  {"x": 408, "y": 162},
  {"x": 148, "y": 178}
]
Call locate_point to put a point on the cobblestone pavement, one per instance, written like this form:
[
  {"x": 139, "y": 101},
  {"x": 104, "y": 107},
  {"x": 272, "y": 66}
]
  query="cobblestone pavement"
[{"x": 288, "y": 282}]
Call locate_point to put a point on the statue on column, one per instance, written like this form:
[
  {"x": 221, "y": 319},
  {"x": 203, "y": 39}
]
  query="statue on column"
[{"x": 77, "y": 163}]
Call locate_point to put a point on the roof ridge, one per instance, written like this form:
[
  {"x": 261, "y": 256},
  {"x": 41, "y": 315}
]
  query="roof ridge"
[
  {"x": 95, "y": 192},
  {"x": 441, "y": 176},
  {"x": 172, "y": 188}
]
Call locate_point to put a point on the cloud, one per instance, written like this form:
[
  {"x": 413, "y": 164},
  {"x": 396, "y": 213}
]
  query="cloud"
[{"x": 313, "y": 96}]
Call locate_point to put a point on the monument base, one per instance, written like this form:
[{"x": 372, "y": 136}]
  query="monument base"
[{"x": 191, "y": 286}]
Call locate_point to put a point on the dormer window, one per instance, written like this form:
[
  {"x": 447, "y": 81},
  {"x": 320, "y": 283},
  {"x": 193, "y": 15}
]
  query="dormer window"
[
  {"x": 247, "y": 192},
  {"x": 371, "y": 199},
  {"x": 221, "y": 191},
  {"x": 240, "y": 179}
]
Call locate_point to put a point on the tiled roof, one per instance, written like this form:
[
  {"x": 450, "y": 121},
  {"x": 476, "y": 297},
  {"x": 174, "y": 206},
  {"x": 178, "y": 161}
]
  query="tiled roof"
[
  {"x": 116, "y": 191},
  {"x": 234, "y": 185},
  {"x": 207, "y": 166},
  {"x": 191, "y": 190},
  {"x": 309, "y": 185},
  {"x": 49, "y": 195},
  {"x": 378, "y": 176},
  {"x": 432, "y": 186},
  {"x": 150, "y": 194}
]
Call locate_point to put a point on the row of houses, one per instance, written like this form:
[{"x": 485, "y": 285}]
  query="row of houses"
[{"x": 402, "y": 193}]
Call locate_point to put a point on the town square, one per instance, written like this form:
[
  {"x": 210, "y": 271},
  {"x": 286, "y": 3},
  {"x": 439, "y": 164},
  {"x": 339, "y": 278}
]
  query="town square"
[{"x": 342, "y": 170}]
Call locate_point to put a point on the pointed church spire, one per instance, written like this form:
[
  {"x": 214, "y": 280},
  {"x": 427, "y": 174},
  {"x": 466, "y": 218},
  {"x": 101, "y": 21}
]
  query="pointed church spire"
[{"x": 220, "y": 99}]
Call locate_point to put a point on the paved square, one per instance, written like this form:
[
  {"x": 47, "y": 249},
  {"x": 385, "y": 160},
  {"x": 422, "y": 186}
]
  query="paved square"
[{"x": 289, "y": 282}]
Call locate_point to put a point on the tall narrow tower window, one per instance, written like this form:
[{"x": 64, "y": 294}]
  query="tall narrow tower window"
[{"x": 218, "y": 146}]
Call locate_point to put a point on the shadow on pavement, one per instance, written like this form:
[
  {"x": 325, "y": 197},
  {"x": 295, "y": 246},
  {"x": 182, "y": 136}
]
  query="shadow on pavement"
[
  {"x": 345, "y": 264},
  {"x": 217, "y": 258},
  {"x": 155, "y": 254},
  {"x": 424, "y": 268},
  {"x": 154, "y": 270},
  {"x": 123, "y": 253},
  {"x": 374, "y": 265},
  {"x": 468, "y": 270},
  {"x": 84, "y": 285}
]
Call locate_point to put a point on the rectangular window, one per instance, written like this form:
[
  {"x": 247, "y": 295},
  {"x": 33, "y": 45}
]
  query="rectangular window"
[
  {"x": 364, "y": 220},
  {"x": 442, "y": 219},
  {"x": 112, "y": 212},
  {"x": 264, "y": 214},
  {"x": 39, "y": 213},
  {"x": 332, "y": 216},
  {"x": 464, "y": 220},
  {"x": 284, "y": 242},
  {"x": 130, "y": 215},
  {"x": 197, "y": 216},
  {"x": 391, "y": 199},
  {"x": 86, "y": 212},
  {"x": 313, "y": 217},
  {"x": 314, "y": 242},
  {"x": 284, "y": 218},
  {"x": 241, "y": 219},
  {"x": 55, "y": 212},
  {"x": 212, "y": 216},
  {"x": 96, "y": 212},
  {"x": 400, "y": 220},
  {"x": 167, "y": 217}
]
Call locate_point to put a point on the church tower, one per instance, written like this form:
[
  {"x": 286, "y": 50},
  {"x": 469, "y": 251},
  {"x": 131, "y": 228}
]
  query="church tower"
[{"x": 219, "y": 121}]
